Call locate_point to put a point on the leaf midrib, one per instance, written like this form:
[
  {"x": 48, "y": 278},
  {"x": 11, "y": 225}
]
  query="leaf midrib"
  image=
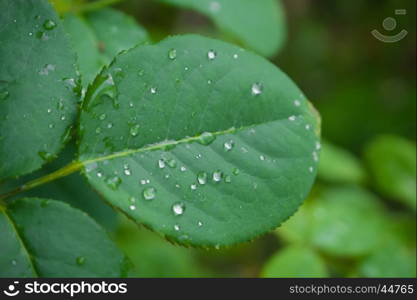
[
  {"x": 168, "y": 143},
  {"x": 22, "y": 243}
]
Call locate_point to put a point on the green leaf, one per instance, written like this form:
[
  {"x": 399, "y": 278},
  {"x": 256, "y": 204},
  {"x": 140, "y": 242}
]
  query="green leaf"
[
  {"x": 72, "y": 189},
  {"x": 392, "y": 161},
  {"x": 154, "y": 257},
  {"x": 48, "y": 238},
  {"x": 339, "y": 166},
  {"x": 99, "y": 35},
  {"x": 203, "y": 147},
  {"x": 345, "y": 221},
  {"x": 396, "y": 257},
  {"x": 295, "y": 261},
  {"x": 115, "y": 31},
  {"x": 37, "y": 83},
  {"x": 258, "y": 25},
  {"x": 85, "y": 44}
]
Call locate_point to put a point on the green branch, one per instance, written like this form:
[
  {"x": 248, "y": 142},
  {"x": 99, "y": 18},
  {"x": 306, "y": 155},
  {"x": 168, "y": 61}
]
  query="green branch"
[{"x": 65, "y": 171}]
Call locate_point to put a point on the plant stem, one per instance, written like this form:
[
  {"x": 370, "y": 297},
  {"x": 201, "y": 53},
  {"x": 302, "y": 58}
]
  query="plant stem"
[{"x": 65, "y": 171}]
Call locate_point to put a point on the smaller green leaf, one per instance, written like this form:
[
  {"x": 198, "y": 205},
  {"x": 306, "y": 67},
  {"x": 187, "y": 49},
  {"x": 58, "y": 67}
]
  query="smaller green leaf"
[
  {"x": 48, "y": 238},
  {"x": 98, "y": 36},
  {"x": 85, "y": 44},
  {"x": 392, "y": 161},
  {"x": 339, "y": 166},
  {"x": 295, "y": 261},
  {"x": 396, "y": 257},
  {"x": 347, "y": 221},
  {"x": 115, "y": 31},
  {"x": 153, "y": 257},
  {"x": 259, "y": 25}
]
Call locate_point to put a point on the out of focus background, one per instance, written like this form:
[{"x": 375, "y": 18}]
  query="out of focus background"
[{"x": 360, "y": 218}]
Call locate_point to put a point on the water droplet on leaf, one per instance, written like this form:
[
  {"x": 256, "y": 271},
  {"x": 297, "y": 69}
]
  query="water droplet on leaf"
[
  {"x": 211, "y": 54},
  {"x": 257, "y": 89},
  {"x": 49, "y": 25},
  {"x": 206, "y": 138},
  {"x": 80, "y": 260},
  {"x": 178, "y": 208},
  {"x": 202, "y": 178},
  {"x": 217, "y": 176},
  {"x": 172, "y": 54},
  {"x": 149, "y": 193}
]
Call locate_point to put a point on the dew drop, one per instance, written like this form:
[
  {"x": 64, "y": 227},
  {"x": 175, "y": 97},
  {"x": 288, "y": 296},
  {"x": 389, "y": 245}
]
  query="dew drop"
[
  {"x": 114, "y": 182},
  {"x": 178, "y": 208},
  {"x": 199, "y": 223},
  {"x": 4, "y": 95},
  {"x": 14, "y": 262},
  {"x": 126, "y": 170},
  {"x": 109, "y": 125},
  {"x": 132, "y": 207},
  {"x": 308, "y": 127},
  {"x": 291, "y": 118},
  {"x": 51, "y": 126},
  {"x": 172, "y": 54},
  {"x": 262, "y": 157},
  {"x": 60, "y": 104},
  {"x": 49, "y": 25},
  {"x": 235, "y": 56},
  {"x": 318, "y": 146},
  {"x": 80, "y": 260},
  {"x": 206, "y": 138},
  {"x": 161, "y": 163},
  {"x": 311, "y": 169},
  {"x": 176, "y": 227},
  {"x": 257, "y": 89},
  {"x": 193, "y": 187},
  {"x": 172, "y": 163},
  {"x": 153, "y": 90},
  {"x": 228, "y": 145},
  {"x": 134, "y": 130},
  {"x": 102, "y": 117},
  {"x": 211, "y": 54},
  {"x": 47, "y": 156},
  {"x": 235, "y": 171},
  {"x": 183, "y": 169},
  {"x": 217, "y": 176},
  {"x": 227, "y": 179},
  {"x": 149, "y": 193},
  {"x": 99, "y": 174},
  {"x": 109, "y": 80},
  {"x": 46, "y": 69},
  {"x": 297, "y": 102},
  {"x": 202, "y": 178}
]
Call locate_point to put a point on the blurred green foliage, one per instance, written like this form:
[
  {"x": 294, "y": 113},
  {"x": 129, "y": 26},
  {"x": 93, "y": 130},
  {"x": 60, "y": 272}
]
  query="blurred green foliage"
[{"x": 360, "y": 218}]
